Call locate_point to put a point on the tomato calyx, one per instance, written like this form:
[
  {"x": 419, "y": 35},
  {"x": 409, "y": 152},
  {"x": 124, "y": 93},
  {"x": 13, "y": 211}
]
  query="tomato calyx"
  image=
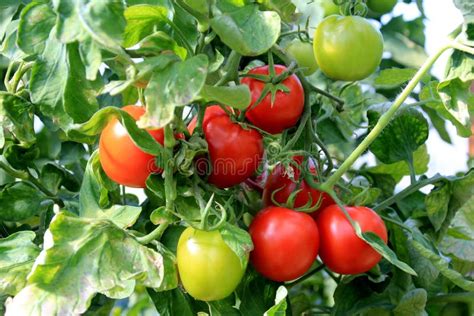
[
  {"x": 218, "y": 212},
  {"x": 273, "y": 82}
]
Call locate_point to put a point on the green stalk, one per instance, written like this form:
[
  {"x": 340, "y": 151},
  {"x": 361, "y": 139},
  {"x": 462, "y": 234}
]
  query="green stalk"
[
  {"x": 155, "y": 234},
  {"x": 407, "y": 191},
  {"x": 231, "y": 69},
  {"x": 306, "y": 276},
  {"x": 383, "y": 121},
  {"x": 170, "y": 189},
  {"x": 19, "y": 74}
]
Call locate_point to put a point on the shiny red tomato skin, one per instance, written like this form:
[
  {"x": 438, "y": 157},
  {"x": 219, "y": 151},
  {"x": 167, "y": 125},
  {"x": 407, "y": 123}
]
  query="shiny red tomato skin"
[
  {"x": 121, "y": 159},
  {"x": 341, "y": 250},
  {"x": 284, "y": 112},
  {"x": 235, "y": 153},
  {"x": 286, "y": 243},
  {"x": 283, "y": 186}
]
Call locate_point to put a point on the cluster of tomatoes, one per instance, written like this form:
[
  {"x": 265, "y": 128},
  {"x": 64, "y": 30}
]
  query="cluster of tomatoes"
[{"x": 286, "y": 241}]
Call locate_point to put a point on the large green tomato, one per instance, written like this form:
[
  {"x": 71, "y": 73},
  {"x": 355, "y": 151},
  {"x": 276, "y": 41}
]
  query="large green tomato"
[
  {"x": 329, "y": 7},
  {"x": 347, "y": 48},
  {"x": 381, "y": 6},
  {"x": 208, "y": 268},
  {"x": 303, "y": 53}
]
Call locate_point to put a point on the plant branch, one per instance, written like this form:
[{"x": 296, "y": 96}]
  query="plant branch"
[
  {"x": 306, "y": 276},
  {"x": 407, "y": 191},
  {"x": 383, "y": 121},
  {"x": 231, "y": 69},
  {"x": 19, "y": 74},
  {"x": 28, "y": 177},
  {"x": 155, "y": 234}
]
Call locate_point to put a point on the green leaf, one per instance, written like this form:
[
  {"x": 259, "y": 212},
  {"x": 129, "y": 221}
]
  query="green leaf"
[
  {"x": 73, "y": 267},
  {"x": 223, "y": 307},
  {"x": 404, "y": 134},
  {"x": 237, "y": 97},
  {"x": 85, "y": 132},
  {"x": 285, "y": 8},
  {"x": 78, "y": 89},
  {"x": 141, "y": 22},
  {"x": 90, "y": 195},
  {"x": 438, "y": 122},
  {"x": 238, "y": 240},
  {"x": 20, "y": 157},
  {"x": 58, "y": 84},
  {"x": 399, "y": 169},
  {"x": 102, "y": 20},
  {"x": 177, "y": 85},
  {"x": 256, "y": 293},
  {"x": 459, "y": 240},
  {"x": 17, "y": 255},
  {"x": 412, "y": 303},
  {"x": 437, "y": 203},
  {"x": 91, "y": 56},
  {"x": 158, "y": 43},
  {"x": 234, "y": 29},
  {"x": 19, "y": 201},
  {"x": 9, "y": 47},
  {"x": 393, "y": 77},
  {"x": 452, "y": 109},
  {"x": 145, "y": 70},
  {"x": 36, "y": 21},
  {"x": 405, "y": 41},
  {"x": 170, "y": 303},
  {"x": 443, "y": 266},
  {"x": 53, "y": 176},
  {"x": 280, "y": 303},
  {"x": 363, "y": 195},
  {"x": 8, "y": 9},
  {"x": 16, "y": 114},
  {"x": 377, "y": 243}
]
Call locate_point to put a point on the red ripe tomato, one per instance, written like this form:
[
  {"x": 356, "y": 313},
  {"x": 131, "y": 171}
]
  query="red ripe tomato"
[
  {"x": 281, "y": 186},
  {"x": 234, "y": 152},
  {"x": 341, "y": 250},
  {"x": 285, "y": 243},
  {"x": 284, "y": 112},
  {"x": 121, "y": 159}
]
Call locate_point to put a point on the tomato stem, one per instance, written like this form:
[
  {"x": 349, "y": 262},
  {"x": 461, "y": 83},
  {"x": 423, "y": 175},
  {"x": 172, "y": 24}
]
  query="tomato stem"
[
  {"x": 22, "y": 69},
  {"x": 306, "y": 276},
  {"x": 153, "y": 235},
  {"x": 383, "y": 121},
  {"x": 407, "y": 191},
  {"x": 231, "y": 69}
]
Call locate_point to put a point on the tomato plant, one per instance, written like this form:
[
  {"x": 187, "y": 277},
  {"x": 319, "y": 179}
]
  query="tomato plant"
[
  {"x": 234, "y": 152},
  {"x": 286, "y": 243},
  {"x": 285, "y": 109},
  {"x": 279, "y": 187},
  {"x": 208, "y": 268},
  {"x": 347, "y": 48},
  {"x": 149, "y": 150},
  {"x": 341, "y": 250},
  {"x": 120, "y": 158}
]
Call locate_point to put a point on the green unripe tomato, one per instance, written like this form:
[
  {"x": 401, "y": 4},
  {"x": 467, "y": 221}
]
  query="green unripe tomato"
[
  {"x": 347, "y": 48},
  {"x": 329, "y": 7},
  {"x": 209, "y": 270},
  {"x": 303, "y": 54},
  {"x": 381, "y": 6}
]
